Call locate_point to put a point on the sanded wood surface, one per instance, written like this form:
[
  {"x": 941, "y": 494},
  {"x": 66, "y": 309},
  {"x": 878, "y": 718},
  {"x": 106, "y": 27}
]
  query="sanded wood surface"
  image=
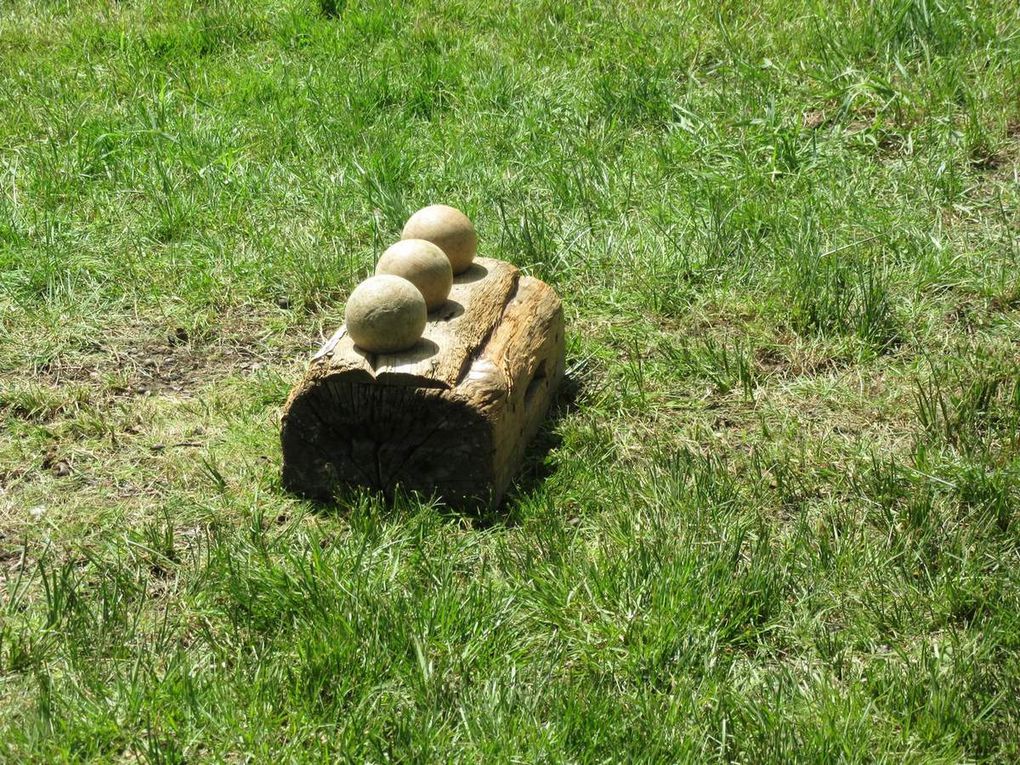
[{"x": 451, "y": 421}]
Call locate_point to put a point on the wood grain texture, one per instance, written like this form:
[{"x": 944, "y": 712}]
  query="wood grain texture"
[
  {"x": 452, "y": 422},
  {"x": 453, "y": 333}
]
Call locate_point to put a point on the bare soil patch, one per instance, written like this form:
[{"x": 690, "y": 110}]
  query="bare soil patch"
[{"x": 142, "y": 361}]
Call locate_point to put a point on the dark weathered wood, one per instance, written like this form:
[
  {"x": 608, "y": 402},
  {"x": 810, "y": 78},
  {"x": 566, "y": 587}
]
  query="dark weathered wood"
[{"x": 449, "y": 418}]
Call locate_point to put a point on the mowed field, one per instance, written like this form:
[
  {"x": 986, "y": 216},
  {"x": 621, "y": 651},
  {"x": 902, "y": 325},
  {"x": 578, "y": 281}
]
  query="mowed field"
[{"x": 775, "y": 515}]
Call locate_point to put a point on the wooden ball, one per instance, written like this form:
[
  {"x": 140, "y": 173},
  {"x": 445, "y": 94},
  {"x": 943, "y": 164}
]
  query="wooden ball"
[
  {"x": 424, "y": 265},
  {"x": 385, "y": 314},
  {"x": 449, "y": 229}
]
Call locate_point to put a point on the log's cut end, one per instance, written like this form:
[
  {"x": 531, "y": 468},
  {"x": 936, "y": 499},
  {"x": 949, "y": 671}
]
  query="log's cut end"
[
  {"x": 339, "y": 432},
  {"x": 451, "y": 424}
]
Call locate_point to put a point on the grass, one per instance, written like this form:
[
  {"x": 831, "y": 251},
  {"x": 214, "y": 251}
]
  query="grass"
[{"x": 776, "y": 519}]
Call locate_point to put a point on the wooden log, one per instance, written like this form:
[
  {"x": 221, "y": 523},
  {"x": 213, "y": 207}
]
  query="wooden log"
[{"x": 452, "y": 416}]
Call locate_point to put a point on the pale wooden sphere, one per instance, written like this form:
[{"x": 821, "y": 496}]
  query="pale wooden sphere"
[
  {"x": 385, "y": 314},
  {"x": 448, "y": 228},
  {"x": 424, "y": 265}
]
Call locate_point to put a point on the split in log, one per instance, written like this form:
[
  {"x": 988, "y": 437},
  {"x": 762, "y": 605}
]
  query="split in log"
[{"x": 450, "y": 417}]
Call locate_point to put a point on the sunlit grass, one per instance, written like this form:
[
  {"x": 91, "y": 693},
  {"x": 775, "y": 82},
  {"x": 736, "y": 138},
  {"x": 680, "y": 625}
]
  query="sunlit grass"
[{"x": 774, "y": 516}]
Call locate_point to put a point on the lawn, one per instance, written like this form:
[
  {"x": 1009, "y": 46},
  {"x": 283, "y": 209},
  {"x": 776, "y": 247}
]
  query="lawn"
[{"x": 775, "y": 514}]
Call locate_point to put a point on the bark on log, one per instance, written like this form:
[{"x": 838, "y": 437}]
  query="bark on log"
[{"x": 452, "y": 416}]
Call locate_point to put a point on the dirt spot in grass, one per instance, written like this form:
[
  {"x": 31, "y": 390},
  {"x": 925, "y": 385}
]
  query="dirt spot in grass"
[
  {"x": 12, "y": 557},
  {"x": 787, "y": 361},
  {"x": 971, "y": 314},
  {"x": 1008, "y": 301},
  {"x": 998, "y": 163},
  {"x": 52, "y": 462},
  {"x": 770, "y": 360},
  {"x": 1002, "y": 157},
  {"x": 141, "y": 361},
  {"x": 962, "y": 315},
  {"x": 814, "y": 118},
  {"x": 9, "y": 477},
  {"x": 986, "y": 161}
]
